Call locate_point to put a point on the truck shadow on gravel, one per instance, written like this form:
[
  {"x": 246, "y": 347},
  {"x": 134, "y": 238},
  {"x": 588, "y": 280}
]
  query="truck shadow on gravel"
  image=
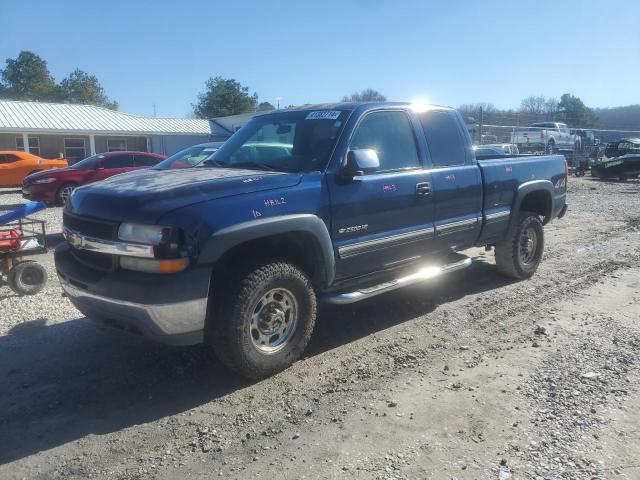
[{"x": 61, "y": 382}]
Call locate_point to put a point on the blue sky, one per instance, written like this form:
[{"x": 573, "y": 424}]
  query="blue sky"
[{"x": 446, "y": 52}]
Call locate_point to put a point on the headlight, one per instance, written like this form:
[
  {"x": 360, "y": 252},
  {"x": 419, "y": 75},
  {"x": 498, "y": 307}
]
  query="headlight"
[
  {"x": 133, "y": 232},
  {"x": 44, "y": 180}
]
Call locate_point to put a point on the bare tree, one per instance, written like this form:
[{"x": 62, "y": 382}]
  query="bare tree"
[
  {"x": 551, "y": 106},
  {"x": 366, "y": 95},
  {"x": 534, "y": 104}
]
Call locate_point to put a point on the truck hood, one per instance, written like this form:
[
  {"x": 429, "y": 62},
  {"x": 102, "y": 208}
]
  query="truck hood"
[{"x": 144, "y": 195}]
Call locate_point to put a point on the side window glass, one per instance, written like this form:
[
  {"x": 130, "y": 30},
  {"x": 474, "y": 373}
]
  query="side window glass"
[
  {"x": 117, "y": 161},
  {"x": 145, "y": 161},
  {"x": 390, "y": 134},
  {"x": 443, "y": 139},
  {"x": 8, "y": 158}
]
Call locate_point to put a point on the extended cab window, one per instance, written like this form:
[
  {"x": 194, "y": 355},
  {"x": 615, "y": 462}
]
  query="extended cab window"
[
  {"x": 391, "y": 136},
  {"x": 443, "y": 138}
]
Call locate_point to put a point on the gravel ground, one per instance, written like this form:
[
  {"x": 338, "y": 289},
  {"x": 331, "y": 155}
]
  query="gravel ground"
[
  {"x": 49, "y": 304},
  {"x": 472, "y": 377}
]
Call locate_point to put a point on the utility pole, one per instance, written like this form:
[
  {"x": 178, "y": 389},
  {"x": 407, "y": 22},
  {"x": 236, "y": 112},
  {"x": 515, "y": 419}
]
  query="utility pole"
[
  {"x": 480, "y": 127},
  {"x": 278, "y": 102}
]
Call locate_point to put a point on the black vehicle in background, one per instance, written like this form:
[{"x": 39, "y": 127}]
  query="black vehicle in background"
[
  {"x": 622, "y": 160},
  {"x": 621, "y": 147}
]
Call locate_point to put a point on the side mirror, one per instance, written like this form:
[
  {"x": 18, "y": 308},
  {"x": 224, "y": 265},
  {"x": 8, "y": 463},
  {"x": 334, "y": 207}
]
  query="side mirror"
[{"x": 360, "y": 162}]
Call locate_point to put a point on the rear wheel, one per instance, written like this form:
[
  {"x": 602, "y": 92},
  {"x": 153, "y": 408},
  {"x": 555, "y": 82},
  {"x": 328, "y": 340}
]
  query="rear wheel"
[
  {"x": 263, "y": 322},
  {"x": 27, "y": 277},
  {"x": 551, "y": 147},
  {"x": 519, "y": 255},
  {"x": 65, "y": 193}
]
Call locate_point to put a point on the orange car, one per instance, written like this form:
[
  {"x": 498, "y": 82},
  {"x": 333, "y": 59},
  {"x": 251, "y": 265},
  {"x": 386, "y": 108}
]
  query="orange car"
[{"x": 14, "y": 166}]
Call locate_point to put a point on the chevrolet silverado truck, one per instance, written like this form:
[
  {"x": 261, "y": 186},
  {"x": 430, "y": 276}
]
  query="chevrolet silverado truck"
[
  {"x": 545, "y": 137},
  {"x": 335, "y": 203}
]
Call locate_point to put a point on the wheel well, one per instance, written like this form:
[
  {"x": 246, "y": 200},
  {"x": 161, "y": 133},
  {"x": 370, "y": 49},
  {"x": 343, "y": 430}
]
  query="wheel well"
[
  {"x": 298, "y": 248},
  {"x": 538, "y": 202}
]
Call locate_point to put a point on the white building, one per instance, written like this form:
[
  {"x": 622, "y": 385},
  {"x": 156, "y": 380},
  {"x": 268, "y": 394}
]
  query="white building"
[{"x": 74, "y": 132}]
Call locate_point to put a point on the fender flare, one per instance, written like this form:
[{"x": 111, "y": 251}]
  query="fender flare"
[
  {"x": 225, "y": 239},
  {"x": 527, "y": 188}
]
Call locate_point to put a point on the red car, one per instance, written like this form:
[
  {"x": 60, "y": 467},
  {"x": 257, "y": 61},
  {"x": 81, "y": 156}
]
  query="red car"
[{"x": 56, "y": 186}]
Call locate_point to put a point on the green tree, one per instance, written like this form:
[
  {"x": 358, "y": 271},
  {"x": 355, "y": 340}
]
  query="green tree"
[
  {"x": 366, "y": 95},
  {"x": 224, "y": 97},
  {"x": 27, "y": 77},
  {"x": 83, "y": 88},
  {"x": 576, "y": 113}
]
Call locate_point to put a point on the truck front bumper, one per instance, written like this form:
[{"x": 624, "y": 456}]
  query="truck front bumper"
[{"x": 169, "y": 308}]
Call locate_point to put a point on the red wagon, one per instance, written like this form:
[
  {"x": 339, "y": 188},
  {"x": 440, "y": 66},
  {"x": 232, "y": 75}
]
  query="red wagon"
[{"x": 18, "y": 241}]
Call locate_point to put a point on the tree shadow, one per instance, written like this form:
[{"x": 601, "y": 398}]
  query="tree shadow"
[{"x": 63, "y": 381}]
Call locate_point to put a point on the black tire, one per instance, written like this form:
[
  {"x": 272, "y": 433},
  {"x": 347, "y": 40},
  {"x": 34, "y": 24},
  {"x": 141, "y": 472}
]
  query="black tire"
[
  {"x": 27, "y": 277},
  {"x": 236, "y": 330},
  {"x": 513, "y": 259},
  {"x": 63, "y": 193}
]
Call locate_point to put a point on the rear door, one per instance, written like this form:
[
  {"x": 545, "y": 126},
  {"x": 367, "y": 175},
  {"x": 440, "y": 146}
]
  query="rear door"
[
  {"x": 457, "y": 185},
  {"x": 383, "y": 219}
]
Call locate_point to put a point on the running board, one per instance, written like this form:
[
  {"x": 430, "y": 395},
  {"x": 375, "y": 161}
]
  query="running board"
[{"x": 421, "y": 275}]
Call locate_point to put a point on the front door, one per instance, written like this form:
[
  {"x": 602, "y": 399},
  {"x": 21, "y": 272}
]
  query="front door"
[
  {"x": 110, "y": 166},
  {"x": 383, "y": 219}
]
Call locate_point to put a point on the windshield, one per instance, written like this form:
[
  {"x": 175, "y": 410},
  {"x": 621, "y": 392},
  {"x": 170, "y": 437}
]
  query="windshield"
[
  {"x": 293, "y": 141},
  {"x": 187, "y": 158},
  {"x": 87, "y": 162}
]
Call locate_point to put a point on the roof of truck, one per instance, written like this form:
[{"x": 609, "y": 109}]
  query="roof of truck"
[{"x": 350, "y": 106}]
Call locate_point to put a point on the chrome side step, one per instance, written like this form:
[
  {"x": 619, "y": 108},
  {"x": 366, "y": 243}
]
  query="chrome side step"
[{"x": 421, "y": 275}]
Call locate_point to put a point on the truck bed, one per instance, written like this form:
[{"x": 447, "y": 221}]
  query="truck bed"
[{"x": 503, "y": 177}]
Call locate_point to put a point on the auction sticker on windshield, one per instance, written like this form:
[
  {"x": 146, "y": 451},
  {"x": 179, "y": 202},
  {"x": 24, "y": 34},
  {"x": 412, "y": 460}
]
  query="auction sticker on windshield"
[{"x": 323, "y": 115}]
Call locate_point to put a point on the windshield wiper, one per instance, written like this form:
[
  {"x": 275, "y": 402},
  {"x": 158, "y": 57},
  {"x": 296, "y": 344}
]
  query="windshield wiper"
[
  {"x": 255, "y": 165},
  {"x": 215, "y": 163}
]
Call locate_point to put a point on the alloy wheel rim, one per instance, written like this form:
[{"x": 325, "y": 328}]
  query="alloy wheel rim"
[
  {"x": 528, "y": 246},
  {"x": 65, "y": 194},
  {"x": 273, "y": 321}
]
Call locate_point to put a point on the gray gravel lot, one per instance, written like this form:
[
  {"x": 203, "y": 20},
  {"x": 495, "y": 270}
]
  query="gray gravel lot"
[
  {"x": 49, "y": 304},
  {"x": 472, "y": 377}
]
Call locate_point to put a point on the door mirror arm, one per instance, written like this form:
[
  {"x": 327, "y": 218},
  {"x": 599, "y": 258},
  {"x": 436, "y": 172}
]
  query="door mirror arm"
[{"x": 359, "y": 163}]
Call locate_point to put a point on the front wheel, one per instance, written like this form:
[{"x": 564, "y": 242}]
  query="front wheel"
[
  {"x": 264, "y": 321},
  {"x": 520, "y": 253},
  {"x": 65, "y": 193}
]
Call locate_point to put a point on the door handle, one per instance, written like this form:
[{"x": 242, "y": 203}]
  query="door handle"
[{"x": 423, "y": 188}]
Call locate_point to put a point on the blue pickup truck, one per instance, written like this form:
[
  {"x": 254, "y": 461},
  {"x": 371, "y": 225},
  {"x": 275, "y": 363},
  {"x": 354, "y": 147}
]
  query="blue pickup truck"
[{"x": 335, "y": 203}]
